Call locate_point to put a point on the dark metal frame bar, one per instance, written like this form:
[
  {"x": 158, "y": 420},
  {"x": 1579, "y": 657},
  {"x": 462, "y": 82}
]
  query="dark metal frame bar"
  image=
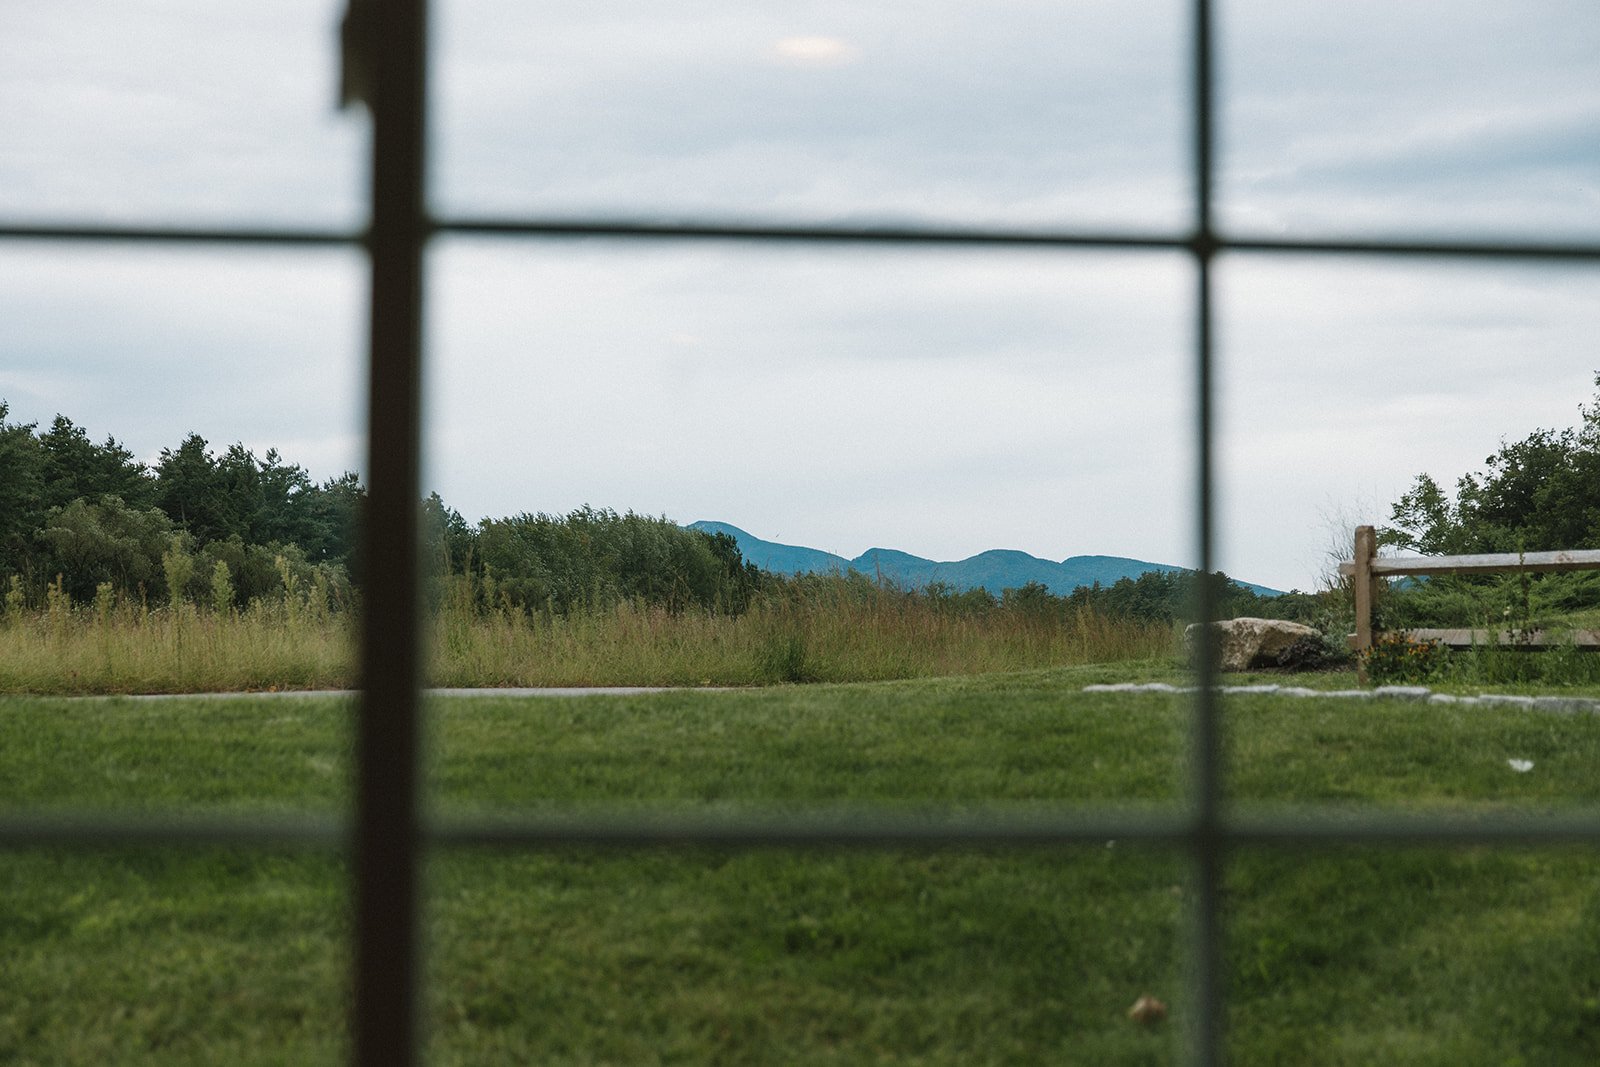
[
  {"x": 389, "y": 836},
  {"x": 777, "y": 233},
  {"x": 388, "y": 839}
]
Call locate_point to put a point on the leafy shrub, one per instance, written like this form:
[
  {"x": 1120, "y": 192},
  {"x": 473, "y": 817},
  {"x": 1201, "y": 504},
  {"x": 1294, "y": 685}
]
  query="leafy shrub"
[
  {"x": 106, "y": 541},
  {"x": 595, "y": 559},
  {"x": 1395, "y": 658}
]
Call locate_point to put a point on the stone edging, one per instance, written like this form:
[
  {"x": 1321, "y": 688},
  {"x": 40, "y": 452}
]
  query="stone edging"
[{"x": 1419, "y": 693}]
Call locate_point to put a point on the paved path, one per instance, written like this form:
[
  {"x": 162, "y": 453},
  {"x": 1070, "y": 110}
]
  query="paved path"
[{"x": 547, "y": 691}]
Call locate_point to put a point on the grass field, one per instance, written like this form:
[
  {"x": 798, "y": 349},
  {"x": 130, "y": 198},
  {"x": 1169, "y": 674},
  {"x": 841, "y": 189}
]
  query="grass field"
[{"x": 1350, "y": 956}]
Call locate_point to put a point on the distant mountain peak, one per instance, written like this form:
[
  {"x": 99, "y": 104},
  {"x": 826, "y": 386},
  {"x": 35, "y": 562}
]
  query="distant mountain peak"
[{"x": 996, "y": 569}]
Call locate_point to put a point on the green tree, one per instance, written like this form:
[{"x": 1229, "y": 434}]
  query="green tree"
[
  {"x": 1539, "y": 493},
  {"x": 330, "y": 516},
  {"x": 1032, "y": 599},
  {"x": 191, "y": 490},
  {"x": 74, "y": 466},
  {"x": 1425, "y": 520},
  {"x": 282, "y": 490},
  {"x": 448, "y": 543},
  {"x": 22, "y": 506},
  {"x": 595, "y": 557},
  {"x": 105, "y": 541},
  {"x": 740, "y": 580},
  {"x": 255, "y": 573}
]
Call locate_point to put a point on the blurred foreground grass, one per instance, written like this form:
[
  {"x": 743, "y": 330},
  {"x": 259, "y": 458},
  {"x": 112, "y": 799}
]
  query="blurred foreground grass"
[{"x": 1344, "y": 956}]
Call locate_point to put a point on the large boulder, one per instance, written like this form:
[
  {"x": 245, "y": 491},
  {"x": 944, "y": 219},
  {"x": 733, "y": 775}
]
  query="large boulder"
[{"x": 1247, "y": 643}]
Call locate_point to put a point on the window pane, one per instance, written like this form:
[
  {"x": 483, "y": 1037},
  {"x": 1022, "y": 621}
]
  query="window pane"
[
  {"x": 177, "y": 110},
  {"x": 939, "y": 404},
  {"x": 1342, "y": 381},
  {"x": 178, "y": 418},
  {"x": 1362, "y": 956},
  {"x": 173, "y": 956},
  {"x": 1450, "y": 406},
  {"x": 941, "y": 401},
  {"x": 1377, "y": 118},
  {"x": 1021, "y": 113},
  {"x": 771, "y": 957}
]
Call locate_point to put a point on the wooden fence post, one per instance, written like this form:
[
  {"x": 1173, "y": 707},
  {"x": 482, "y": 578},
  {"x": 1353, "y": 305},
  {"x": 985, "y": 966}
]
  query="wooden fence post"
[{"x": 1366, "y": 550}]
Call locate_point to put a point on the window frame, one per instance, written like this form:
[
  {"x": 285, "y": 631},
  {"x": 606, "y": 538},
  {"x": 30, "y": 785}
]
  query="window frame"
[{"x": 388, "y": 837}]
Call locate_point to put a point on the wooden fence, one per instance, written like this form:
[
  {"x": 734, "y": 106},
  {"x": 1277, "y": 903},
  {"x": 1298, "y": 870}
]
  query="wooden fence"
[{"x": 1368, "y": 570}]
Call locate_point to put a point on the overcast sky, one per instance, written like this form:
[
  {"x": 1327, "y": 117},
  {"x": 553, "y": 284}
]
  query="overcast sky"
[{"x": 937, "y": 402}]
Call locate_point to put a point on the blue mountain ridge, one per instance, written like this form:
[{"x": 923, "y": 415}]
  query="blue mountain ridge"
[{"x": 995, "y": 570}]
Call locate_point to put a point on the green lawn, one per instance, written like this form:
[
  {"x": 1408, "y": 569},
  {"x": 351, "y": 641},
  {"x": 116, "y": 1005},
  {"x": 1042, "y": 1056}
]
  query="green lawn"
[{"x": 1344, "y": 957}]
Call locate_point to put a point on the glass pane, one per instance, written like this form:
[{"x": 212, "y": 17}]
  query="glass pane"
[
  {"x": 177, "y": 111},
  {"x": 946, "y": 402},
  {"x": 1025, "y": 113},
  {"x": 182, "y": 479},
  {"x": 1452, "y": 407},
  {"x": 772, "y": 957},
  {"x": 872, "y": 406},
  {"x": 1365, "y": 956},
  {"x": 174, "y": 957},
  {"x": 1376, "y": 118},
  {"x": 1341, "y": 381}
]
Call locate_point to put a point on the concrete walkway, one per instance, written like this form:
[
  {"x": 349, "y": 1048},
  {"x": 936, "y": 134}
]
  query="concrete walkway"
[{"x": 548, "y": 691}]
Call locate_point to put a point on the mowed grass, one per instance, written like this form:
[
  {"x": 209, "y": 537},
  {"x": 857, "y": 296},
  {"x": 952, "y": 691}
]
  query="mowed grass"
[{"x": 586, "y": 957}]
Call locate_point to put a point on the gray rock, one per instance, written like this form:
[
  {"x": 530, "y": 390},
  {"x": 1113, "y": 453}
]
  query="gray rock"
[
  {"x": 1506, "y": 700},
  {"x": 1554, "y": 705},
  {"x": 1565, "y": 705},
  {"x": 1403, "y": 692},
  {"x": 1246, "y": 643}
]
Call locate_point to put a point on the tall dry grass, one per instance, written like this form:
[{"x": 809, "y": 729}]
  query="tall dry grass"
[
  {"x": 126, "y": 647},
  {"x": 297, "y": 643}
]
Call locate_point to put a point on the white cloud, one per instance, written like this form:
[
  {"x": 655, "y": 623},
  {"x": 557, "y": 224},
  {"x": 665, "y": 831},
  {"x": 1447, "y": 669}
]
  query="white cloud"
[{"x": 815, "y": 51}]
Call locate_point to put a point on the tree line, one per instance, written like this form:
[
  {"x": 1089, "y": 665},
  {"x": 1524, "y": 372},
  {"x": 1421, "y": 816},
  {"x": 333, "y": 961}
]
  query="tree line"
[
  {"x": 82, "y": 516},
  {"x": 228, "y": 528},
  {"x": 89, "y": 514},
  {"x": 589, "y": 558},
  {"x": 1537, "y": 493}
]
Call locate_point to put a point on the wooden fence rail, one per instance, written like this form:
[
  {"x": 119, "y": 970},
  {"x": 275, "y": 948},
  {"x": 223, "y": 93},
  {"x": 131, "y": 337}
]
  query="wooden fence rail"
[{"x": 1367, "y": 570}]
